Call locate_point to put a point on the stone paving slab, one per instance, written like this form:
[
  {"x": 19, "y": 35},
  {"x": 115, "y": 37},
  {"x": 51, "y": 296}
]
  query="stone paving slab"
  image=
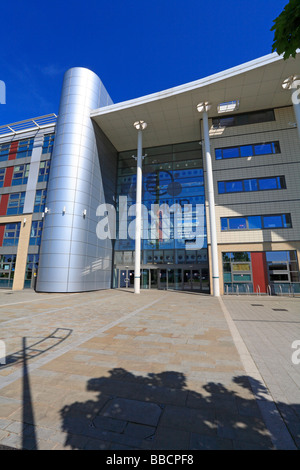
[{"x": 113, "y": 370}]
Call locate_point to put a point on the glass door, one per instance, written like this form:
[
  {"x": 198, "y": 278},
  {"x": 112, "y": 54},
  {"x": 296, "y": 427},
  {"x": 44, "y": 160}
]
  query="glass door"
[
  {"x": 153, "y": 279},
  {"x": 126, "y": 278}
]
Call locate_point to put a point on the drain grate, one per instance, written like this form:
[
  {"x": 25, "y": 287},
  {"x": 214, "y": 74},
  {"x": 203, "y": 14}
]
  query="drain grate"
[{"x": 280, "y": 309}]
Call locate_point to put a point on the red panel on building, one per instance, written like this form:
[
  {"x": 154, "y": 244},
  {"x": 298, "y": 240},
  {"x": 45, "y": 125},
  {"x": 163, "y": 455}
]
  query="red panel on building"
[
  {"x": 13, "y": 150},
  {"x": 3, "y": 204},
  {"x": 2, "y": 229},
  {"x": 8, "y": 176},
  {"x": 259, "y": 271}
]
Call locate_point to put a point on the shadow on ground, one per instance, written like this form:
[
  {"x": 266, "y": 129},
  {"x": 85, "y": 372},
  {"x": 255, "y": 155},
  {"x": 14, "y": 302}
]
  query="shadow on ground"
[
  {"x": 33, "y": 350},
  {"x": 158, "y": 411}
]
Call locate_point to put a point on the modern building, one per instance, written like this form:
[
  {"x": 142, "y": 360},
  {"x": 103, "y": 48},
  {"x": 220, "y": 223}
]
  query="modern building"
[{"x": 216, "y": 163}]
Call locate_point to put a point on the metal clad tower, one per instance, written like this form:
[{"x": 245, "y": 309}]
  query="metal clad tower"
[{"x": 72, "y": 258}]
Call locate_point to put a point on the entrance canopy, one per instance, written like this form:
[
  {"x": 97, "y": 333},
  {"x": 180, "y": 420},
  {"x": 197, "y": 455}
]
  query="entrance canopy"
[{"x": 172, "y": 115}]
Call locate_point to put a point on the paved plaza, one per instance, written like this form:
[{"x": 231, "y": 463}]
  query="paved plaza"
[{"x": 161, "y": 370}]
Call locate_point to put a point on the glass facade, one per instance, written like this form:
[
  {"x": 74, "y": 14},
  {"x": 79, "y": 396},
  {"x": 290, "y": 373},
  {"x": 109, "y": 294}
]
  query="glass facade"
[{"x": 173, "y": 178}]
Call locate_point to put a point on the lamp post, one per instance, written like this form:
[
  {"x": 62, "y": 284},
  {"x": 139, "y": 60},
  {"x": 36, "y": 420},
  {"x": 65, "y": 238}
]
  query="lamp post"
[
  {"x": 140, "y": 126},
  {"x": 204, "y": 108},
  {"x": 292, "y": 83}
]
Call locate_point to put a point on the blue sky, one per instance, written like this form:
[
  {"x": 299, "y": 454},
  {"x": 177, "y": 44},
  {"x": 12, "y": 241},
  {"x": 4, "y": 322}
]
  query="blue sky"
[{"x": 135, "y": 47}]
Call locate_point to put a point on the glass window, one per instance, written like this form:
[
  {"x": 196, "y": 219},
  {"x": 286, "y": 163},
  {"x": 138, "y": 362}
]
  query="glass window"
[
  {"x": 218, "y": 153},
  {"x": 20, "y": 175},
  {"x": 25, "y": 148},
  {"x": 11, "y": 234},
  {"x": 267, "y": 183},
  {"x": 241, "y": 267},
  {"x": 237, "y": 223},
  {"x": 15, "y": 203},
  {"x": 233, "y": 186},
  {"x": 266, "y": 148},
  {"x": 4, "y": 151},
  {"x": 272, "y": 221},
  {"x": 48, "y": 143},
  {"x": 40, "y": 200},
  {"x": 240, "y": 256},
  {"x": 250, "y": 185},
  {"x": 246, "y": 151},
  {"x": 287, "y": 221},
  {"x": 224, "y": 224},
  {"x": 244, "y": 118},
  {"x": 221, "y": 187},
  {"x": 2, "y": 176},
  {"x": 36, "y": 232},
  {"x": 44, "y": 171},
  {"x": 242, "y": 277},
  {"x": 254, "y": 222},
  {"x": 263, "y": 149},
  {"x": 231, "y": 152}
]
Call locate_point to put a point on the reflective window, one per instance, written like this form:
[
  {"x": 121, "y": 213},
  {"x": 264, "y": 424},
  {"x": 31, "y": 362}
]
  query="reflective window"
[
  {"x": 254, "y": 184},
  {"x": 2, "y": 176},
  {"x": 25, "y": 148},
  {"x": 244, "y": 118},
  {"x": 40, "y": 200},
  {"x": 44, "y": 171},
  {"x": 172, "y": 174},
  {"x": 11, "y": 234},
  {"x": 237, "y": 223},
  {"x": 256, "y": 222},
  {"x": 15, "y": 203},
  {"x": 4, "y": 151},
  {"x": 48, "y": 143},
  {"x": 20, "y": 175},
  {"x": 237, "y": 272},
  {"x": 268, "y": 148},
  {"x": 36, "y": 232}
]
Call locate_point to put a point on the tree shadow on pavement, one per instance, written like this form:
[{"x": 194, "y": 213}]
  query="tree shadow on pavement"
[{"x": 158, "y": 411}]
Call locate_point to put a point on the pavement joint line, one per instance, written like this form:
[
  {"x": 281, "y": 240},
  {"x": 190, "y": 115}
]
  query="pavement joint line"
[
  {"x": 47, "y": 311},
  {"x": 280, "y": 435},
  {"x": 36, "y": 300},
  {"x": 9, "y": 379}
]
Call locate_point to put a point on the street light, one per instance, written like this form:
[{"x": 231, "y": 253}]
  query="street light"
[
  {"x": 203, "y": 108},
  {"x": 140, "y": 127}
]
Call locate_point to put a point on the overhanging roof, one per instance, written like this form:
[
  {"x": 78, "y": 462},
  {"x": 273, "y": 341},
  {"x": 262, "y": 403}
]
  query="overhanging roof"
[{"x": 172, "y": 116}]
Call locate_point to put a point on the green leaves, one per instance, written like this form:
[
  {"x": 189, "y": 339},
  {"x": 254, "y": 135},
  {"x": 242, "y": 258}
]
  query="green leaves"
[{"x": 287, "y": 30}]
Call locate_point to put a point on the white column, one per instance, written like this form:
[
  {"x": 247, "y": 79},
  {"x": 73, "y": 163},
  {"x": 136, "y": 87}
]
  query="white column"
[
  {"x": 292, "y": 83},
  {"x": 211, "y": 205},
  {"x": 140, "y": 126},
  {"x": 137, "y": 263},
  {"x": 297, "y": 114}
]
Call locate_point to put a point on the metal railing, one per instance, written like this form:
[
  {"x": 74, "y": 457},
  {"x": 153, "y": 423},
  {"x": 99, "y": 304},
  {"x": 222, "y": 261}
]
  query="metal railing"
[
  {"x": 280, "y": 289},
  {"x": 28, "y": 124}
]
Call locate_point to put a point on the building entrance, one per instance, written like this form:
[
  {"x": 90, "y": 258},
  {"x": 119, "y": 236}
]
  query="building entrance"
[{"x": 167, "y": 278}]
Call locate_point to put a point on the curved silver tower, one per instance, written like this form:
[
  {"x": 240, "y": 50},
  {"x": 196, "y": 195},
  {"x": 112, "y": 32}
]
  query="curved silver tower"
[{"x": 72, "y": 258}]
